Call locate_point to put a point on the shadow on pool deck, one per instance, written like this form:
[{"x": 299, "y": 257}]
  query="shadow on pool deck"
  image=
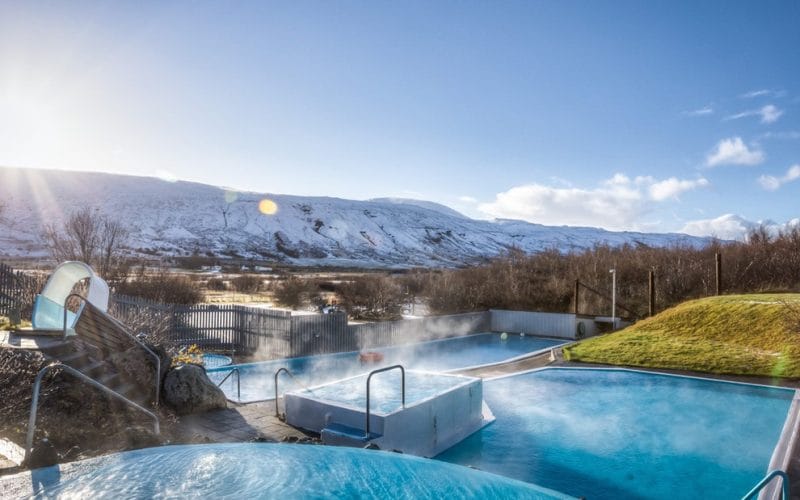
[{"x": 241, "y": 423}]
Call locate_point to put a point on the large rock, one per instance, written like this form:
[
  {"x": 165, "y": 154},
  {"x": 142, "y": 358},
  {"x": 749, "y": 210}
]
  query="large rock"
[{"x": 187, "y": 390}]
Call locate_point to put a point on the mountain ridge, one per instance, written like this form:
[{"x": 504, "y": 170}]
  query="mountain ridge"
[{"x": 184, "y": 218}]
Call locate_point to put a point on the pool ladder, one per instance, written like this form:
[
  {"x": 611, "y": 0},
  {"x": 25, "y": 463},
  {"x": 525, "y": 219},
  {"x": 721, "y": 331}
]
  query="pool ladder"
[
  {"x": 768, "y": 479},
  {"x": 238, "y": 383},
  {"x": 403, "y": 387},
  {"x": 278, "y": 372}
]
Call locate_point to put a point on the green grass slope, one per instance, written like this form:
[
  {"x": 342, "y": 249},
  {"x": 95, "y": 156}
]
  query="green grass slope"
[{"x": 755, "y": 334}]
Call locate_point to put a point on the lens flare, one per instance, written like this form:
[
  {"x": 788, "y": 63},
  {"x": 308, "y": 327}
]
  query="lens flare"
[
  {"x": 267, "y": 207},
  {"x": 231, "y": 196}
]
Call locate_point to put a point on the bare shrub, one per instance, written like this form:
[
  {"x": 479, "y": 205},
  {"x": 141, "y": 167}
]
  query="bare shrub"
[
  {"x": 372, "y": 298},
  {"x": 545, "y": 281},
  {"x": 216, "y": 284},
  {"x": 246, "y": 283},
  {"x": 92, "y": 238},
  {"x": 150, "y": 322},
  {"x": 291, "y": 292},
  {"x": 162, "y": 286}
]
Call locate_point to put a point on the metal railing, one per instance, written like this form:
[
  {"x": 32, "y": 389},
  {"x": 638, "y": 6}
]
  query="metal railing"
[
  {"x": 238, "y": 382},
  {"x": 767, "y": 479},
  {"x": 124, "y": 330},
  {"x": 285, "y": 370},
  {"x": 403, "y": 387},
  {"x": 80, "y": 376}
]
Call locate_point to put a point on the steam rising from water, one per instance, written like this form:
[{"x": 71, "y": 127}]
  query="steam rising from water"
[
  {"x": 611, "y": 434},
  {"x": 438, "y": 355}
]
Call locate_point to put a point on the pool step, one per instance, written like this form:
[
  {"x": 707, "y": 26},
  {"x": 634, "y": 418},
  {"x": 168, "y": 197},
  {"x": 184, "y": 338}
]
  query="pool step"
[{"x": 343, "y": 435}]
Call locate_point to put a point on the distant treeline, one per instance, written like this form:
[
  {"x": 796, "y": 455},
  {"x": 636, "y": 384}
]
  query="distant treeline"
[{"x": 545, "y": 281}]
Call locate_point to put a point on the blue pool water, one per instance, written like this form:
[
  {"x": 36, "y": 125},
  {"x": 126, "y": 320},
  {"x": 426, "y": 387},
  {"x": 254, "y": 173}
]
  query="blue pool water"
[
  {"x": 385, "y": 389},
  {"x": 259, "y": 470},
  {"x": 627, "y": 434},
  {"x": 439, "y": 355}
]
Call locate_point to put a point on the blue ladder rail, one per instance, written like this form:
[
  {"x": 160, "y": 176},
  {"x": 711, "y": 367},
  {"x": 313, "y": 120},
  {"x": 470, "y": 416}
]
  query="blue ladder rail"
[{"x": 764, "y": 482}]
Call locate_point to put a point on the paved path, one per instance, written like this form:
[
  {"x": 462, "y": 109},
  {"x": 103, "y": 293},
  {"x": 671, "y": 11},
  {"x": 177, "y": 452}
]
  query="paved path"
[{"x": 250, "y": 422}]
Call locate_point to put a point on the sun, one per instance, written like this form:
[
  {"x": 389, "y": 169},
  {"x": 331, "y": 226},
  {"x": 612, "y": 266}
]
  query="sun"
[{"x": 267, "y": 207}]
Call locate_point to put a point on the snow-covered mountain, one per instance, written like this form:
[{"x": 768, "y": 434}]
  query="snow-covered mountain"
[{"x": 183, "y": 218}]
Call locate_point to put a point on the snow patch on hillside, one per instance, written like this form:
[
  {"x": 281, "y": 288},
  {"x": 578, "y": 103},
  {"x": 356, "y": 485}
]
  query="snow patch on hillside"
[{"x": 183, "y": 218}]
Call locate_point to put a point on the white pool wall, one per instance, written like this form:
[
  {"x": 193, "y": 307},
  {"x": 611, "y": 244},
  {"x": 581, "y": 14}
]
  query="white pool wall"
[{"x": 424, "y": 428}]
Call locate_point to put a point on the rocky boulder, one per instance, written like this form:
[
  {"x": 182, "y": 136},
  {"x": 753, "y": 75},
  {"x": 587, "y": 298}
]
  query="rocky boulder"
[{"x": 188, "y": 390}]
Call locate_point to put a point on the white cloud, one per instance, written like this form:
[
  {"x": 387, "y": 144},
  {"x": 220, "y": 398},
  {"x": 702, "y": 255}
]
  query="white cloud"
[
  {"x": 734, "y": 151},
  {"x": 467, "y": 199},
  {"x": 763, "y": 93},
  {"x": 756, "y": 93},
  {"x": 705, "y": 110},
  {"x": 166, "y": 175},
  {"x": 726, "y": 227},
  {"x": 733, "y": 227},
  {"x": 673, "y": 187},
  {"x": 771, "y": 183},
  {"x": 768, "y": 114},
  {"x": 617, "y": 203}
]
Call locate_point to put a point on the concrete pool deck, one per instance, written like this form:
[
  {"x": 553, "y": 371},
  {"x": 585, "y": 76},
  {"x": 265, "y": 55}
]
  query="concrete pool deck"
[{"x": 239, "y": 423}]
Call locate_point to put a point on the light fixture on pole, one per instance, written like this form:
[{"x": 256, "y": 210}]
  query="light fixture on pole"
[{"x": 613, "y": 298}]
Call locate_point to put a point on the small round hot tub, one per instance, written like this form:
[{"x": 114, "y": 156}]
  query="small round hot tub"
[{"x": 216, "y": 360}]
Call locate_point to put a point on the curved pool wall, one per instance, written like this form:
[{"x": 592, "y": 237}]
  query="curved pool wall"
[
  {"x": 616, "y": 433},
  {"x": 262, "y": 470},
  {"x": 257, "y": 382}
]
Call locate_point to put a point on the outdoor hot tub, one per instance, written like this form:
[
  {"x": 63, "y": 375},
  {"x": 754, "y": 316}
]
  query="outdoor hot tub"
[{"x": 440, "y": 410}]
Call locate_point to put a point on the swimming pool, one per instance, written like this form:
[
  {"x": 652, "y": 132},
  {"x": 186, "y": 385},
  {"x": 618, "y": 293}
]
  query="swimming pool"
[
  {"x": 257, "y": 382},
  {"x": 216, "y": 360},
  {"x": 612, "y": 433},
  {"x": 261, "y": 470}
]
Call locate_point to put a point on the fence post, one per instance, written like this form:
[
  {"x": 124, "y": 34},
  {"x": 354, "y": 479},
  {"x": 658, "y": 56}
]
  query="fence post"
[
  {"x": 718, "y": 266},
  {"x": 576, "y": 296},
  {"x": 241, "y": 336},
  {"x": 651, "y": 289}
]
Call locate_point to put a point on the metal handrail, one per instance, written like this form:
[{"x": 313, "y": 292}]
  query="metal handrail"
[
  {"x": 80, "y": 376},
  {"x": 286, "y": 370},
  {"x": 767, "y": 479},
  {"x": 132, "y": 337},
  {"x": 238, "y": 382},
  {"x": 403, "y": 392}
]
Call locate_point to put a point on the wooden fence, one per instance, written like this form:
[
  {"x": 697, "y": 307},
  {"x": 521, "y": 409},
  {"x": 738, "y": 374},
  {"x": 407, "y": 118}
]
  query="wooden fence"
[
  {"x": 240, "y": 329},
  {"x": 270, "y": 333},
  {"x": 17, "y": 291}
]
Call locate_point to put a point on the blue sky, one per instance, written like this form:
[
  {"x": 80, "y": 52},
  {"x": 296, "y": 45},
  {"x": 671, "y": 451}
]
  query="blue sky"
[{"x": 657, "y": 116}]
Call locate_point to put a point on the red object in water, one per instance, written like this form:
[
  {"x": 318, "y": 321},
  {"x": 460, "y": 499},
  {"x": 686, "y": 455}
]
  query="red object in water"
[{"x": 370, "y": 357}]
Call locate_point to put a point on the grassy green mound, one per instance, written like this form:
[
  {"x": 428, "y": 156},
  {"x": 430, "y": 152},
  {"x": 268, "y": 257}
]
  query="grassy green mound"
[{"x": 755, "y": 334}]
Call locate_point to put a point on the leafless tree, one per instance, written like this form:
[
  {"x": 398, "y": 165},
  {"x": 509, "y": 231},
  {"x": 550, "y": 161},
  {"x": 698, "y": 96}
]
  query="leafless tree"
[
  {"x": 90, "y": 237},
  {"x": 291, "y": 292}
]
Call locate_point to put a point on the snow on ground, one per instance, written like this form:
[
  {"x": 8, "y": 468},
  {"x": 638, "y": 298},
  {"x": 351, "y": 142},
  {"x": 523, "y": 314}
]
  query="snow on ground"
[{"x": 181, "y": 218}]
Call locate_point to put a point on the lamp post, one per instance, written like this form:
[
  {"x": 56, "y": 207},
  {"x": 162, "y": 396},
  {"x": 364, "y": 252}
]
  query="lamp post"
[{"x": 613, "y": 299}]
